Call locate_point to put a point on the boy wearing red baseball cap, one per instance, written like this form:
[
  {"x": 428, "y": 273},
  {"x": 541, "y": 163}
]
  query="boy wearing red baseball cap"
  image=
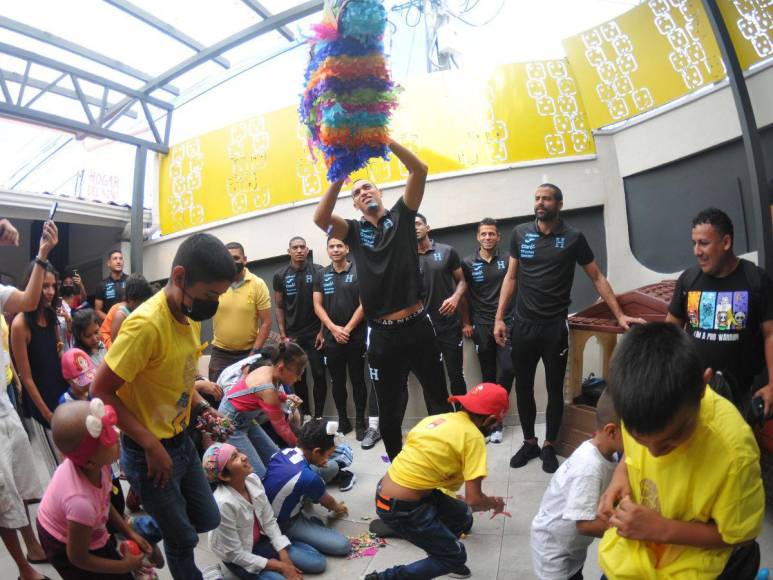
[{"x": 441, "y": 453}]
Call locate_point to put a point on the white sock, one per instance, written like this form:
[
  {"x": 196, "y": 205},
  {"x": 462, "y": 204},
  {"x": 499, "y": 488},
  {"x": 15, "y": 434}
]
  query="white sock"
[{"x": 373, "y": 423}]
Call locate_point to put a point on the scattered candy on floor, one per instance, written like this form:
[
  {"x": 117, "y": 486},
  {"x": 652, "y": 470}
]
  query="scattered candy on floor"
[{"x": 365, "y": 546}]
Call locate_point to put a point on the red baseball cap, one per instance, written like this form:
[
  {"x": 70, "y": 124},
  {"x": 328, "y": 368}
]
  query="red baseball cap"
[{"x": 485, "y": 399}]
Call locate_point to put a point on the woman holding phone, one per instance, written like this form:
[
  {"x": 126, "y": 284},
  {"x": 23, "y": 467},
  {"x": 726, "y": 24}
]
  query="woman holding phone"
[{"x": 35, "y": 347}]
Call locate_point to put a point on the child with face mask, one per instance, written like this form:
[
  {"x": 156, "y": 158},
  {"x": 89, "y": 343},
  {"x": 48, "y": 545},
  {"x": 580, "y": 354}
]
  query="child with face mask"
[{"x": 149, "y": 376}]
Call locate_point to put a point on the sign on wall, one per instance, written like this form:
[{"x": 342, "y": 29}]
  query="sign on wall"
[
  {"x": 648, "y": 56},
  {"x": 454, "y": 120}
]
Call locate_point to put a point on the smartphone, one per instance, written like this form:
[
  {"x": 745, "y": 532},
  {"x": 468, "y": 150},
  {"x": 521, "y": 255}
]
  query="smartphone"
[{"x": 52, "y": 211}]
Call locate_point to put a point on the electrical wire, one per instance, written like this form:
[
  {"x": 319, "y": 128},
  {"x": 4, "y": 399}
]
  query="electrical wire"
[{"x": 460, "y": 18}]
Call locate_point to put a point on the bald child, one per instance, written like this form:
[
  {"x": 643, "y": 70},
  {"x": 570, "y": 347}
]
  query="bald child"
[{"x": 73, "y": 516}]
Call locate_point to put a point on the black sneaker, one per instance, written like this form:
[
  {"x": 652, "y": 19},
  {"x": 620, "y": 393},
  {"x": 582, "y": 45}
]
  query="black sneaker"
[
  {"x": 346, "y": 480},
  {"x": 462, "y": 572},
  {"x": 371, "y": 576},
  {"x": 549, "y": 459},
  {"x": 344, "y": 426},
  {"x": 526, "y": 453},
  {"x": 372, "y": 436},
  {"x": 360, "y": 426}
]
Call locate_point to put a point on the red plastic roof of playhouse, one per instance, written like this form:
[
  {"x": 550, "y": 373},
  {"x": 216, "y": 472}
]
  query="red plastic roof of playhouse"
[{"x": 648, "y": 302}]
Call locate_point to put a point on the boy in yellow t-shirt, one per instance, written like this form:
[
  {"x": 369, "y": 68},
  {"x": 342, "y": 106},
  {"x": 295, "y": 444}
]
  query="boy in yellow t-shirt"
[
  {"x": 441, "y": 453},
  {"x": 687, "y": 502},
  {"x": 148, "y": 377}
]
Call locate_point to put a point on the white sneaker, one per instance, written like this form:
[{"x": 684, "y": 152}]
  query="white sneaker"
[
  {"x": 496, "y": 435},
  {"x": 213, "y": 573}
]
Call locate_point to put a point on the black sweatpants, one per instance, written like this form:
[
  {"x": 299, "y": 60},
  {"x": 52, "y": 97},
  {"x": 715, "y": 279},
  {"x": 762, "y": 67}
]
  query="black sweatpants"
[
  {"x": 491, "y": 356},
  {"x": 450, "y": 341},
  {"x": 532, "y": 342},
  {"x": 317, "y": 364},
  {"x": 339, "y": 357},
  {"x": 392, "y": 348}
]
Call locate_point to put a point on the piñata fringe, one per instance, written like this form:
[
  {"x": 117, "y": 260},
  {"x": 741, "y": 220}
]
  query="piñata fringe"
[{"x": 348, "y": 97}]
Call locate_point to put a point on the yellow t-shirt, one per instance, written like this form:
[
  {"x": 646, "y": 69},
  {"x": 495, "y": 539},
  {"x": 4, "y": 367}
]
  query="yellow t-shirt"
[
  {"x": 442, "y": 451},
  {"x": 715, "y": 476},
  {"x": 4, "y": 330},
  {"x": 237, "y": 321},
  {"x": 157, "y": 357}
]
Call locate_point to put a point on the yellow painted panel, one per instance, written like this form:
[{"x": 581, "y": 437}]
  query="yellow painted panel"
[
  {"x": 750, "y": 23},
  {"x": 654, "y": 53},
  {"x": 455, "y": 121}
]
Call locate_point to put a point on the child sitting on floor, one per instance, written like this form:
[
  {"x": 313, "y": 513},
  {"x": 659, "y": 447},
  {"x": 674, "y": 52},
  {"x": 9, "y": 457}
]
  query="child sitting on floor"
[
  {"x": 73, "y": 516},
  {"x": 248, "y": 539},
  {"x": 566, "y": 522},
  {"x": 687, "y": 502},
  {"x": 257, "y": 394},
  {"x": 85, "y": 335},
  {"x": 289, "y": 478}
]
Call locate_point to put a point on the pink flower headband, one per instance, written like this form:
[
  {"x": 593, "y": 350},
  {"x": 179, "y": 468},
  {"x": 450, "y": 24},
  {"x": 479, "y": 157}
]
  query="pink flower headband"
[{"x": 100, "y": 431}]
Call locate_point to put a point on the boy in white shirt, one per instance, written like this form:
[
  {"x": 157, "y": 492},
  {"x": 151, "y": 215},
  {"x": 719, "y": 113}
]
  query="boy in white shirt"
[{"x": 566, "y": 522}]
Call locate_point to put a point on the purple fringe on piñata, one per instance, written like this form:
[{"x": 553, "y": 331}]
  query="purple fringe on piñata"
[{"x": 349, "y": 96}]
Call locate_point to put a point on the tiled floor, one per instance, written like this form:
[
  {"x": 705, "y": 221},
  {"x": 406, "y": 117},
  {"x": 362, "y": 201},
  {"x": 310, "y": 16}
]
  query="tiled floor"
[{"x": 497, "y": 549}]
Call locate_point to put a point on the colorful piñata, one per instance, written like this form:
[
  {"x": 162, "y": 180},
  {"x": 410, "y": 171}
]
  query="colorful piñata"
[{"x": 349, "y": 96}]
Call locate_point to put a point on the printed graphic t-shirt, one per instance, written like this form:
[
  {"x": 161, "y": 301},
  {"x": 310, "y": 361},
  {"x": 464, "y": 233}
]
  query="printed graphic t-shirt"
[
  {"x": 713, "y": 477},
  {"x": 442, "y": 451},
  {"x": 111, "y": 291},
  {"x": 157, "y": 356},
  {"x": 438, "y": 265},
  {"x": 724, "y": 317},
  {"x": 297, "y": 289},
  {"x": 387, "y": 261},
  {"x": 340, "y": 298}
]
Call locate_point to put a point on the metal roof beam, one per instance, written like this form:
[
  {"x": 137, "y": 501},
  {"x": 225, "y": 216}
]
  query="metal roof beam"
[
  {"x": 164, "y": 27},
  {"x": 65, "y": 124},
  {"x": 83, "y": 75},
  {"x": 82, "y": 51},
  {"x": 262, "y": 27},
  {"x": 264, "y": 13},
  {"x": 45, "y": 87}
]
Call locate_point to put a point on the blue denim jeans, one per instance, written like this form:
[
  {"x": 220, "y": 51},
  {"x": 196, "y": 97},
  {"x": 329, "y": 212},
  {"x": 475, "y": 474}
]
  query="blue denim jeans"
[
  {"x": 434, "y": 524},
  {"x": 307, "y": 559},
  {"x": 311, "y": 531},
  {"x": 249, "y": 437},
  {"x": 183, "y": 509}
]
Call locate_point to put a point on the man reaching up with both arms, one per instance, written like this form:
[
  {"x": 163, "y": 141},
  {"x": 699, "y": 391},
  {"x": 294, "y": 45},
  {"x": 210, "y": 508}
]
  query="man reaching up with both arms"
[{"x": 383, "y": 246}]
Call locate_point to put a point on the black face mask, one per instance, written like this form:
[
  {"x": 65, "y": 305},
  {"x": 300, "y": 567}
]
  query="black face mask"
[
  {"x": 67, "y": 291},
  {"x": 200, "y": 309},
  {"x": 239, "y": 268}
]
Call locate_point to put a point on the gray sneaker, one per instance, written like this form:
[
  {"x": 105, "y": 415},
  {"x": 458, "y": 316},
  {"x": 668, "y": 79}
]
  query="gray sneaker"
[{"x": 372, "y": 436}]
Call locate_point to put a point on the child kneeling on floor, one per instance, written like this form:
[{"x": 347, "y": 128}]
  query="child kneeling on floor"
[
  {"x": 248, "y": 539},
  {"x": 566, "y": 522},
  {"x": 289, "y": 478},
  {"x": 441, "y": 453},
  {"x": 73, "y": 516},
  {"x": 688, "y": 501}
]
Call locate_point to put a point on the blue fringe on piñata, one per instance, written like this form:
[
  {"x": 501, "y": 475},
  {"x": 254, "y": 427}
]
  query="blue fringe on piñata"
[{"x": 348, "y": 97}]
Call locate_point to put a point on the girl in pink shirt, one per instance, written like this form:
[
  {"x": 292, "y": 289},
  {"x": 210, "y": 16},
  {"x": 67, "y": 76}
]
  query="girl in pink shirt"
[
  {"x": 256, "y": 396},
  {"x": 75, "y": 510}
]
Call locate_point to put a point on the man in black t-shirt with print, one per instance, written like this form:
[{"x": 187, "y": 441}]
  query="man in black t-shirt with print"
[
  {"x": 294, "y": 298},
  {"x": 383, "y": 246},
  {"x": 484, "y": 271},
  {"x": 444, "y": 286},
  {"x": 337, "y": 304},
  {"x": 726, "y": 305},
  {"x": 110, "y": 291},
  {"x": 543, "y": 254}
]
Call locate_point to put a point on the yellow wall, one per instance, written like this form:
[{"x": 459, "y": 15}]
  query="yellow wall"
[
  {"x": 453, "y": 120},
  {"x": 646, "y": 57},
  {"x": 750, "y": 23}
]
